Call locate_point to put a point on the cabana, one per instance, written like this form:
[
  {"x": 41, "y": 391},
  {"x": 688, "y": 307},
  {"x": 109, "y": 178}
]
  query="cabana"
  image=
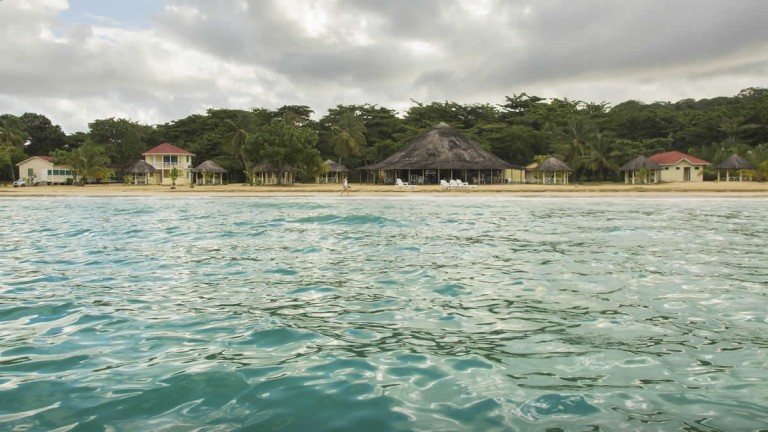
[
  {"x": 553, "y": 171},
  {"x": 143, "y": 172},
  {"x": 737, "y": 165},
  {"x": 212, "y": 173},
  {"x": 641, "y": 170},
  {"x": 438, "y": 154},
  {"x": 334, "y": 169},
  {"x": 269, "y": 174}
]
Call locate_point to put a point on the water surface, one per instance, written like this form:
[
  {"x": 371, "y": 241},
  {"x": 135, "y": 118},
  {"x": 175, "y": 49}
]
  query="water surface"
[{"x": 418, "y": 313}]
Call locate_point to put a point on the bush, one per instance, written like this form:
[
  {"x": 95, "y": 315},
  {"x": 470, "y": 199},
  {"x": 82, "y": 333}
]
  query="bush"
[{"x": 70, "y": 181}]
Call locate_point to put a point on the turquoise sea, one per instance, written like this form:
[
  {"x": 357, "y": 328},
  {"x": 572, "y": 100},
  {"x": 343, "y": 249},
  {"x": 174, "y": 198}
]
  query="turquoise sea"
[{"x": 383, "y": 314}]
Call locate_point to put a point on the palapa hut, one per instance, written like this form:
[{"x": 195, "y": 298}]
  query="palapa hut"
[
  {"x": 143, "y": 172},
  {"x": 553, "y": 171},
  {"x": 212, "y": 173},
  {"x": 332, "y": 171},
  {"x": 641, "y": 170},
  {"x": 269, "y": 174},
  {"x": 737, "y": 165},
  {"x": 441, "y": 153}
]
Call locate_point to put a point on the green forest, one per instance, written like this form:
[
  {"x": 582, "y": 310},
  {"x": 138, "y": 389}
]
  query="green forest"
[{"x": 595, "y": 139}]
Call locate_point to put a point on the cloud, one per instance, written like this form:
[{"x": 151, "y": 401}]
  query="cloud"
[{"x": 194, "y": 54}]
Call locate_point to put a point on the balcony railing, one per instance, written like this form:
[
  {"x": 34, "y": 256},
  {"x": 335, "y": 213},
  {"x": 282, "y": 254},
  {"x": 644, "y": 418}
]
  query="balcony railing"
[{"x": 161, "y": 165}]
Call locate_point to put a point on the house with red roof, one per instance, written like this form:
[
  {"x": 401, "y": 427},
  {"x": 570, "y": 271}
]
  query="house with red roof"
[
  {"x": 679, "y": 167},
  {"x": 165, "y": 158},
  {"x": 43, "y": 169}
]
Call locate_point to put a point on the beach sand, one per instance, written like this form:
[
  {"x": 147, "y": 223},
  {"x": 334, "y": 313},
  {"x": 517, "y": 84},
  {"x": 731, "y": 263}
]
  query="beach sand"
[{"x": 719, "y": 189}]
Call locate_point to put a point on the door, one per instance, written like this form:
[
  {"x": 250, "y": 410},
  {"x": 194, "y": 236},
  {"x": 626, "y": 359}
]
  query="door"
[{"x": 687, "y": 174}]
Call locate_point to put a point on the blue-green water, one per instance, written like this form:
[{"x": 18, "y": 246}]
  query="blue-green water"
[{"x": 302, "y": 314}]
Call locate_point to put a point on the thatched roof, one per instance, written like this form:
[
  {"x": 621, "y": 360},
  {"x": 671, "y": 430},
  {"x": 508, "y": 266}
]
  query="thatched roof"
[
  {"x": 553, "y": 164},
  {"x": 735, "y": 162},
  {"x": 441, "y": 147},
  {"x": 268, "y": 167},
  {"x": 141, "y": 167},
  {"x": 639, "y": 163},
  {"x": 209, "y": 166},
  {"x": 335, "y": 166}
]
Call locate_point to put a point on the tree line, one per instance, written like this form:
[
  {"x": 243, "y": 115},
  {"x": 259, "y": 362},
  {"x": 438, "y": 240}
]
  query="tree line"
[{"x": 595, "y": 139}]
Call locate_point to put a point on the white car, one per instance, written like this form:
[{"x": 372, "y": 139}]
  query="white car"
[{"x": 20, "y": 182}]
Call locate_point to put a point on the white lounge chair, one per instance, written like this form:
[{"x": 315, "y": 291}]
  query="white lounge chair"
[
  {"x": 463, "y": 185},
  {"x": 400, "y": 185},
  {"x": 445, "y": 185}
]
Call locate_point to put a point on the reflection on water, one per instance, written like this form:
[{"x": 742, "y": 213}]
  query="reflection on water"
[{"x": 383, "y": 314}]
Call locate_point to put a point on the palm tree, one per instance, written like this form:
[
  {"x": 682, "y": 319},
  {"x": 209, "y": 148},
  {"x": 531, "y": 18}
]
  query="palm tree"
[
  {"x": 578, "y": 131},
  {"x": 238, "y": 136},
  {"x": 598, "y": 156},
  {"x": 88, "y": 160},
  {"x": 12, "y": 137},
  {"x": 349, "y": 135}
]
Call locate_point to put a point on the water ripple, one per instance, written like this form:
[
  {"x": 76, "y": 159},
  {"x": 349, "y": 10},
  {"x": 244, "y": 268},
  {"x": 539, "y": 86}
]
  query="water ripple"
[{"x": 387, "y": 314}]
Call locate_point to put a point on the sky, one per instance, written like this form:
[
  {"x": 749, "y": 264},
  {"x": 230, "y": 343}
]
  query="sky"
[{"x": 156, "y": 61}]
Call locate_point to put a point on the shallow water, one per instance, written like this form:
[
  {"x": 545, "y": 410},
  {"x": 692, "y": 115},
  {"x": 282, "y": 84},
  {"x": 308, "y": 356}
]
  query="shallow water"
[{"x": 376, "y": 314}]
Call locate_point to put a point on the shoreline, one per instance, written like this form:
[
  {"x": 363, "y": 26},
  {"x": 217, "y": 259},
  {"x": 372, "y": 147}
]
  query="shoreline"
[{"x": 707, "y": 189}]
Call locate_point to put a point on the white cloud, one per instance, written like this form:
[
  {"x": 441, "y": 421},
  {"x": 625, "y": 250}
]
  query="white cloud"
[{"x": 245, "y": 53}]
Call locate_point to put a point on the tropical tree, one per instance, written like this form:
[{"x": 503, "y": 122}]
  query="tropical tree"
[
  {"x": 88, "y": 160},
  {"x": 349, "y": 135},
  {"x": 598, "y": 157},
  {"x": 284, "y": 145},
  {"x": 174, "y": 175},
  {"x": 12, "y": 138}
]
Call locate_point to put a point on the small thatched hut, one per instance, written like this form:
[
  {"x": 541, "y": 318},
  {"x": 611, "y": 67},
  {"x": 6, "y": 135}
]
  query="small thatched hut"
[
  {"x": 441, "y": 153},
  {"x": 553, "y": 171},
  {"x": 142, "y": 171},
  {"x": 270, "y": 174},
  {"x": 737, "y": 165},
  {"x": 641, "y": 170},
  {"x": 212, "y": 173},
  {"x": 333, "y": 171}
]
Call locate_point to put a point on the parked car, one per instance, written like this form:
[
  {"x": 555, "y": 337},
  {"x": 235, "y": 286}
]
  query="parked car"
[{"x": 20, "y": 182}]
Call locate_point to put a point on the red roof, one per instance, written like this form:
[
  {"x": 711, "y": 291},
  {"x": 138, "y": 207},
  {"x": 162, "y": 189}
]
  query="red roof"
[
  {"x": 673, "y": 157},
  {"x": 167, "y": 148},
  {"x": 45, "y": 158}
]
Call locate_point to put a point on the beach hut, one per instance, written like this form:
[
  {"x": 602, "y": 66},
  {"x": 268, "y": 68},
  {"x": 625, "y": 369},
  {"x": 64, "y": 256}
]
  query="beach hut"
[
  {"x": 142, "y": 172},
  {"x": 212, "y": 173},
  {"x": 680, "y": 167},
  {"x": 737, "y": 165},
  {"x": 268, "y": 174},
  {"x": 553, "y": 171},
  {"x": 332, "y": 172},
  {"x": 164, "y": 158},
  {"x": 438, "y": 154},
  {"x": 641, "y": 170}
]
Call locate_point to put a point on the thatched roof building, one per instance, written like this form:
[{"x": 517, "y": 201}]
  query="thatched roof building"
[
  {"x": 641, "y": 170},
  {"x": 737, "y": 165},
  {"x": 439, "y": 153},
  {"x": 212, "y": 172},
  {"x": 335, "y": 167},
  {"x": 141, "y": 167},
  {"x": 142, "y": 172},
  {"x": 332, "y": 171},
  {"x": 552, "y": 171}
]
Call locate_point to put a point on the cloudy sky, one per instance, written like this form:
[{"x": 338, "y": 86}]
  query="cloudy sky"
[{"x": 155, "y": 61}]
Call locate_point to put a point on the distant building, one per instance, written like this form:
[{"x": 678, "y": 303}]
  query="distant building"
[
  {"x": 43, "y": 169},
  {"x": 164, "y": 158},
  {"x": 679, "y": 167}
]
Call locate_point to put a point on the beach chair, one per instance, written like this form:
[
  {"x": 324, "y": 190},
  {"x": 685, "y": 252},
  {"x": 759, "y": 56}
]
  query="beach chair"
[
  {"x": 401, "y": 185},
  {"x": 463, "y": 185},
  {"x": 445, "y": 185}
]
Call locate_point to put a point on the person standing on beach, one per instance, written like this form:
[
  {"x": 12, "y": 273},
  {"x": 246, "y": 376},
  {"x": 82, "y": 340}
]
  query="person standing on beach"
[{"x": 345, "y": 188}]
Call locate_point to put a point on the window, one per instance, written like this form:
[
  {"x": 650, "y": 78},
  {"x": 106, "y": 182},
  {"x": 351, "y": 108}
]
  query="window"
[
  {"x": 50, "y": 172},
  {"x": 695, "y": 168},
  {"x": 170, "y": 159},
  {"x": 30, "y": 172},
  {"x": 677, "y": 168}
]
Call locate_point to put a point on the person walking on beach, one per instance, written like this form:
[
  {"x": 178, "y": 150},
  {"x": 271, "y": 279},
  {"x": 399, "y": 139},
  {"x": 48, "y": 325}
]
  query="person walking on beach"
[{"x": 345, "y": 188}]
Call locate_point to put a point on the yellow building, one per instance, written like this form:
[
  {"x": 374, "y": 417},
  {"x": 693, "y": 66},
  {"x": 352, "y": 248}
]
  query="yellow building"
[
  {"x": 42, "y": 168},
  {"x": 164, "y": 158},
  {"x": 679, "y": 167}
]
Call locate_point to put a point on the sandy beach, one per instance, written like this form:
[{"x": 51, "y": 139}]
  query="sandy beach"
[{"x": 721, "y": 189}]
